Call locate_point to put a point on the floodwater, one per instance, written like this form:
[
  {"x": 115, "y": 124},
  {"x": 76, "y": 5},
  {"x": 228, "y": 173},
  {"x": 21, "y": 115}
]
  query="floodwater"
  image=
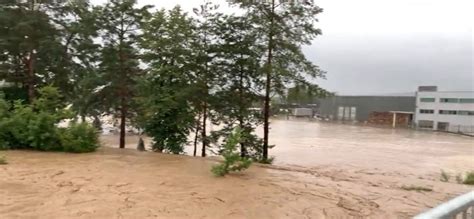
[
  {"x": 321, "y": 170},
  {"x": 314, "y": 144}
]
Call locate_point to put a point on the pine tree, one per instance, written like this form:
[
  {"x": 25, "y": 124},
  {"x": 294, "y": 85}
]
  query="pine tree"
[
  {"x": 238, "y": 58},
  {"x": 119, "y": 65},
  {"x": 29, "y": 45},
  {"x": 206, "y": 73},
  {"x": 285, "y": 26},
  {"x": 167, "y": 90},
  {"x": 78, "y": 23}
]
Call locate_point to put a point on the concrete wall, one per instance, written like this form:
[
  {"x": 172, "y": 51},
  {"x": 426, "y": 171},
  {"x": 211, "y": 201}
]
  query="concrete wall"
[
  {"x": 365, "y": 105},
  {"x": 462, "y": 123}
]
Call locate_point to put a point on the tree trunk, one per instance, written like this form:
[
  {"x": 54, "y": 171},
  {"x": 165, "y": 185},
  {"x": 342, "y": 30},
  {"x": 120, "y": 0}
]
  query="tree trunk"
[
  {"x": 123, "y": 118},
  {"x": 266, "y": 124},
  {"x": 30, "y": 77},
  {"x": 203, "y": 133},
  {"x": 243, "y": 150},
  {"x": 198, "y": 122}
]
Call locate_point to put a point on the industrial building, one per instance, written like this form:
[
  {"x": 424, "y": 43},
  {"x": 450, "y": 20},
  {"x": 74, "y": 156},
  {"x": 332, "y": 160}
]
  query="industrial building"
[
  {"x": 451, "y": 111},
  {"x": 382, "y": 110}
]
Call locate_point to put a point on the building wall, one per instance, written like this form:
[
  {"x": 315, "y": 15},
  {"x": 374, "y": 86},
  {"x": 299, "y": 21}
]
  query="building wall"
[
  {"x": 365, "y": 105},
  {"x": 456, "y": 122}
]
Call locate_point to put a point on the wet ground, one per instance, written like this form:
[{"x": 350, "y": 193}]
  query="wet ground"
[{"x": 321, "y": 171}]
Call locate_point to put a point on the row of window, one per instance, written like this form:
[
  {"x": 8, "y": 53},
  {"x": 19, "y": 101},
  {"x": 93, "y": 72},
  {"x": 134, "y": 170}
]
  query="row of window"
[
  {"x": 446, "y": 100},
  {"x": 448, "y": 112}
]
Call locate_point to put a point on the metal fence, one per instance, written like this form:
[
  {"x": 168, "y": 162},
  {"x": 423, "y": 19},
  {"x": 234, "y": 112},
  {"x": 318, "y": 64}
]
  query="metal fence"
[{"x": 459, "y": 207}]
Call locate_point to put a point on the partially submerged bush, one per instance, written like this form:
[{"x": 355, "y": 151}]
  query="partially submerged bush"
[
  {"x": 79, "y": 138},
  {"x": 35, "y": 126},
  {"x": 444, "y": 176},
  {"x": 3, "y": 160},
  {"x": 232, "y": 160},
  {"x": 469, "y": 180},
  {"x": 417, "y": 188}
]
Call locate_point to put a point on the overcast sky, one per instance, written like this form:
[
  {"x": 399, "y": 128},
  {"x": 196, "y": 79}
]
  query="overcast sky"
[{"x": 387, "y": 46}]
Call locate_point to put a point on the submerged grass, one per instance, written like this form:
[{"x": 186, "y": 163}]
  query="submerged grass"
[
  {"x": 416, "y": 188},
  {"x": 3, "y": 160}
]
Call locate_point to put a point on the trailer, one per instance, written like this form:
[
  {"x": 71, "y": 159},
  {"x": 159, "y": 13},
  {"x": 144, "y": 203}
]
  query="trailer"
[{"x": 302, "y": 112}]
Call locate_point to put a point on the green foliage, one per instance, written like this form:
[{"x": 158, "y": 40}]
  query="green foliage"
[
  {"x": 283, "y": 27},
  {"x": 444, "y": 176},
  {"x": 35, "y": 126},
  {"x": 119, "y": 58},
  {"x": 469, "y": 180},
  {"x": 166, "y": 92},
  {"x": 155, "y": 70},
  {"x": 232, "y": 160},
  {"x": 79, "y": 138},
  {"x": 304, "y": 93}
]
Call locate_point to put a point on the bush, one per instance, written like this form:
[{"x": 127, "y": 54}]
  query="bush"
[
  {"x": 232, "y": 160},
  {"x": 444, "y": 176},
  {"x": 79, "y": 138},
  {"x": 469, "y": 180},
  {"x": 35, "y": 126},
  {"x": 3, "y": 160}
]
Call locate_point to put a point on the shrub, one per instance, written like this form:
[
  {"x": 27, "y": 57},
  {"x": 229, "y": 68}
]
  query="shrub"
[
  {"x": 35, "y": 126},
  {"x": 232, "y": 160},
  {"x": 79, "y": 138},
  {"x": 444, "y": 176},
  {"x": 43, "y": 134},
  {"x": 469, "y": 180},
  {"x": 3, "y": 160}
]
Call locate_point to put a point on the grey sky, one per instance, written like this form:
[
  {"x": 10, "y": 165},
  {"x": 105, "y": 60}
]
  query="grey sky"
[{"x": 387, "y": 46}]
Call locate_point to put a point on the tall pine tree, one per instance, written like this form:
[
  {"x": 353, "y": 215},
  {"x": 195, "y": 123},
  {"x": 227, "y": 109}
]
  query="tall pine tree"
[
  {"x": 119, "y": 65},
  {"x": 285, "y": 27}
]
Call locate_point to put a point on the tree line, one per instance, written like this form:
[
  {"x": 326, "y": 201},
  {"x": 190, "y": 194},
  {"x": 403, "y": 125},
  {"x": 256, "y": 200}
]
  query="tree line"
[{"x": 168, "y": 72}]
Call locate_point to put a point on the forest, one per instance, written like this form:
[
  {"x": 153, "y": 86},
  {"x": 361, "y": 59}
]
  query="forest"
[{"x": 168, "y": 73}]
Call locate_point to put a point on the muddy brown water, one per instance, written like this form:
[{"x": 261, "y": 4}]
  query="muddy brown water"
[
  {"x": 316, "y": 144},
  {"x": 321, "y": 171}
]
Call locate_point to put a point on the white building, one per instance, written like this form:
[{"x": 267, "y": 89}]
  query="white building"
[{"x": 451, "y": 111}]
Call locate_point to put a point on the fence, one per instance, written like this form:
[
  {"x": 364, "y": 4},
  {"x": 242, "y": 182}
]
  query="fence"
[{"x": 459, "y": 207}]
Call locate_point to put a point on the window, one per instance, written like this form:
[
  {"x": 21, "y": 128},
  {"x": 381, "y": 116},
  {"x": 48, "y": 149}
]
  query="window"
[
  {"x": 425, "y": 124},
  {"x": 448, "y": 112},
  {"x": 449, "y": 100},
  {"x": 465, "y": 113},
  {"x": 466, "y": 100},
  {"x": 426, "y": 111},
  {"x": 427, "y": 99}
]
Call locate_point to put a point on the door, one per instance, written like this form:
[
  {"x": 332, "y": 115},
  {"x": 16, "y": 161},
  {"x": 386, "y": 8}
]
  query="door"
[
  {"x": 443, "y": 126},
  {"x": 353, "y": 113},
  {"x": 340, "y": 113}
]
